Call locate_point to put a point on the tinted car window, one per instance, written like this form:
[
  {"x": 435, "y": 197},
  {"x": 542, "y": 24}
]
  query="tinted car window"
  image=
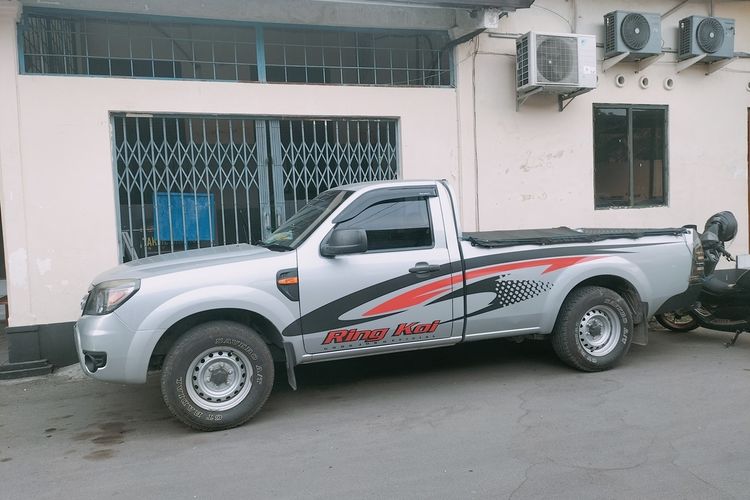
[{"x": 394, "y": 224}]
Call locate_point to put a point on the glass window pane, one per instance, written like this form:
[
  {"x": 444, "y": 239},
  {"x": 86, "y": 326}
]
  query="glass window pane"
[
  {"x": 246, "y": 53},
  {"x": 162, "y": 48},
  {"x": 403, "y": 223},
  {"x": 119, "y": 46},
  {"x": 142, "y": 68},
  {"x": 611, "y": 164},
  {"x": 274, "y": 54},
  {"x": 295, "y": 55},
  {"x": 164, "y": 69},
  {"x": 314, "y": 56},
  {"x": 226, "y": 72},
  {"x": 140, "y": 46},
  {"x": 332, "y": 57},
  {"x": 224, "y": 52},
  {"x": 649, "y": 156},
  {"x": 366, "y": 76},
  {"x": 121, "y": 67},
  {"x": 203, "y": 51}
]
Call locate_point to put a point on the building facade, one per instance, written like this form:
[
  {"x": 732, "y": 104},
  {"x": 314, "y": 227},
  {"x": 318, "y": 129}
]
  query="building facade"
[{"x": 136, "y": 129}]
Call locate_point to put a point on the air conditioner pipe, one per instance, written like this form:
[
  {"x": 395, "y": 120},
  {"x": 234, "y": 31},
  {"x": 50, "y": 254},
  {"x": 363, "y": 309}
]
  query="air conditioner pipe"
[
  {"x": 462, "y": 39},
  {"x": 674, "y": 9}
]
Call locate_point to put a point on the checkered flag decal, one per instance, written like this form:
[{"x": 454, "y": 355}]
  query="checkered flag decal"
[{"x": 514, "y": 291}]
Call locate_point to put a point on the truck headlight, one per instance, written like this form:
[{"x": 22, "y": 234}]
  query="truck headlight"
[{"x": 109, "y": 295}]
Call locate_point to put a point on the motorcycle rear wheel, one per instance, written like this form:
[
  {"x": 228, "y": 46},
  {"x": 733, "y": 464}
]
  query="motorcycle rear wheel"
[{"x": 677, "y": 322}]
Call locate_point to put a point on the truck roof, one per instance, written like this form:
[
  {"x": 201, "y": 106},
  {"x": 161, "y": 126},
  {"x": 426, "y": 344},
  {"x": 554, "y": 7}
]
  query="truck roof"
[{"x": 388, "y": 183}]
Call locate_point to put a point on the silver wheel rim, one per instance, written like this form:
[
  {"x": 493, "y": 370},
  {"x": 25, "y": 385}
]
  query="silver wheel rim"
[
  {"x": 219, "y": 378},
  {"x": 599, "y": 330}
]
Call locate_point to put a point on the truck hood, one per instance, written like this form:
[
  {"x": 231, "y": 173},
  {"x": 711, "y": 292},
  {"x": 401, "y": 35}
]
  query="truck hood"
[{"x": 185, "y": 261}]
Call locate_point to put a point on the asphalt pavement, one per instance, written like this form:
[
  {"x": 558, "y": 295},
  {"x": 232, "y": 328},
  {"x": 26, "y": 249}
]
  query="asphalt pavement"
[{"x": 486, "y": 420}]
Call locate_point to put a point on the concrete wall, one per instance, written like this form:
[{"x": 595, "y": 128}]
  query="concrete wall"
[
  {"x": 66, "y": 191},
  {"x": 520, "y": 169},
  {"x": 68, "y": 171},
  {"x": 535, "y": 166}
]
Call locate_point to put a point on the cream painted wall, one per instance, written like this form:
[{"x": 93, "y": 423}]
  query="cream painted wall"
[
  {"x": 535, "y": 166},
  {"x": 12, "y": 192},
  {"x": 68, "y": 169}
]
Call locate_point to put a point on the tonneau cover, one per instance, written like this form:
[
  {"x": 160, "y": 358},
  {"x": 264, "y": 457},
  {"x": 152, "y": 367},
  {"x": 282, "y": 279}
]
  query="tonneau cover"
[{"x": 561, "y": 235}]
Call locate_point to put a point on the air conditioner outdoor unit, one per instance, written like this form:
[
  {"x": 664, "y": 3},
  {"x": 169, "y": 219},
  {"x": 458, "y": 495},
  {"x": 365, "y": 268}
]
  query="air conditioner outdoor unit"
[
  {"x": 555, "y": 63},
  {"x": 712, "y": 36},
  {"x": 636, "y": 33}
]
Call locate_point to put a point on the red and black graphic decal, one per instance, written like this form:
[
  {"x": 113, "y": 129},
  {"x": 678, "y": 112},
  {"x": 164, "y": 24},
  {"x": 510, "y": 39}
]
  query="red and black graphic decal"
[
  {"x": 444, "y": 286},
  {"x": 507, "y": 292},
  {"x": 447, "y": 285}
]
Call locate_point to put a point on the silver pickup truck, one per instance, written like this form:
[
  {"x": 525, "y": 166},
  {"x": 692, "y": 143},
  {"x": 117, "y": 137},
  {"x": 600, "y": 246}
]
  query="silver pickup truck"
[{"x": 371, "y": 269}]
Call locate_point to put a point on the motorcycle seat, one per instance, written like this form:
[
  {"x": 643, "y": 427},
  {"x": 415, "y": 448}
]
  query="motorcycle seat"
[
  {"x": 728, "y": 282},
  {"x": 717, "y": 286}
]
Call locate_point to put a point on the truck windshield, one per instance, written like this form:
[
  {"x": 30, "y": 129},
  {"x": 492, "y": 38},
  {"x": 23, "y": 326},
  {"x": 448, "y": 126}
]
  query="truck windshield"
[{"x": 294, "y": 231}]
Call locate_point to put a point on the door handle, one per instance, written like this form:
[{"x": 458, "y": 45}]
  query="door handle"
[{"x": 424, "y": 267}]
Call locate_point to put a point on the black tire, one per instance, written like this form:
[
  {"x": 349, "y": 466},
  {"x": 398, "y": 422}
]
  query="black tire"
[
  {"x": 677, "y": 322},
  {"x": 594, "y": 329},
  {"x": 231, "y": 376}
]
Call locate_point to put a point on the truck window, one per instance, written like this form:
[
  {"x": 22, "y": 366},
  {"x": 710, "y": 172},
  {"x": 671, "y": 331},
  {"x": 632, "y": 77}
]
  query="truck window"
[
  {"x": 394, "y": 224},
  {"x": 294, "y": 231}
]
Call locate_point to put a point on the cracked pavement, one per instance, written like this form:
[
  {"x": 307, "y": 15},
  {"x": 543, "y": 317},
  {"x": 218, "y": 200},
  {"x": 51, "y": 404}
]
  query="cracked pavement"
[{"x": 486, "y": 420}]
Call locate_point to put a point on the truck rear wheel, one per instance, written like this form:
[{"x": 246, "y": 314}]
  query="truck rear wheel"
[
  {"x": 593, "y": 330},
  {"x": 217, "y": 375}
]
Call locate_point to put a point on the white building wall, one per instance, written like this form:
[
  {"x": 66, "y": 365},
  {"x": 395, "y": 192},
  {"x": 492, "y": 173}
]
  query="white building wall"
[
  {"x": 520, "y": 169},
  {"x": 69, "y": 174},
  {"x": 536, "y": 166}
]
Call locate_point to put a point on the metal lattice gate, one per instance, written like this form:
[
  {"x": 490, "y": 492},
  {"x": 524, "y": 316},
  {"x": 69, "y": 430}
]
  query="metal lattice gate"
[{"x": 194, "y": 182}]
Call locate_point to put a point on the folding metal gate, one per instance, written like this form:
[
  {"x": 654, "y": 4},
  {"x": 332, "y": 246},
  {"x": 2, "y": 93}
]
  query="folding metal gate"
[{"x": 198, "y": 181}]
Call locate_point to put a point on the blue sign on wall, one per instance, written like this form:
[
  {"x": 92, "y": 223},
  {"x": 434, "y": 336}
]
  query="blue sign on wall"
[{"x": 192, "y": 214}]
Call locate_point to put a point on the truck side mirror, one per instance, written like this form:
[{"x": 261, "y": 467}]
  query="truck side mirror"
[{"x": 344, "y": 241}]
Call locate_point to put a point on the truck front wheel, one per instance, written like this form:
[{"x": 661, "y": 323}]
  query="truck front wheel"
[
  {"x": 593, "y": 330},
  {"x": 217, "y": 376}
]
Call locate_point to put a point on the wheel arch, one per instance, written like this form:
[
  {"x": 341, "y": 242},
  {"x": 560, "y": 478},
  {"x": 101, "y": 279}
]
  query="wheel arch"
[
  {"x": 624, "y": 288},
  {"x": 257, "y": 321},
  {"x": 629, "y": 292}
]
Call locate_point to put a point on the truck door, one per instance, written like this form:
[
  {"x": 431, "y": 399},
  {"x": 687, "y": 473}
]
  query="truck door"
[{"x": 391, "y": 293}]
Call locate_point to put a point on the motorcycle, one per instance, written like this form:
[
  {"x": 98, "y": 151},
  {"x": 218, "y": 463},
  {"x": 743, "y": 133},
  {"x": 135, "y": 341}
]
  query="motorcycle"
[{"x": 724, "y": 300}]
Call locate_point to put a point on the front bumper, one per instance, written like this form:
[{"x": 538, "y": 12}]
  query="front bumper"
[{"x": 107, "y": 338}]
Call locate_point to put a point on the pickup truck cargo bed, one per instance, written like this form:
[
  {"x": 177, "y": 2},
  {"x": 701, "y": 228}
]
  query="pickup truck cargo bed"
[{"x": 560, "y": 235}]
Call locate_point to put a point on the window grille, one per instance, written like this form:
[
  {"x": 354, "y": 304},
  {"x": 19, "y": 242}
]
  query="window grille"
[
  {"x": 348, "y": 57},
  {"x": 187, "y": 182},
  {"x": 316, "y": 155},
  {"x": 64, "y": 42},
  {"x": 83, "y": 45}
]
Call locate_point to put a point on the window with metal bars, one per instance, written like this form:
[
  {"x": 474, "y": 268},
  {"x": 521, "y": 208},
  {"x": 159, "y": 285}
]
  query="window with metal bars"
[
  {"x": 72, "y": 43},
  {"x": 186, "y": 182},
  {"x": 350, "y": 57}
]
